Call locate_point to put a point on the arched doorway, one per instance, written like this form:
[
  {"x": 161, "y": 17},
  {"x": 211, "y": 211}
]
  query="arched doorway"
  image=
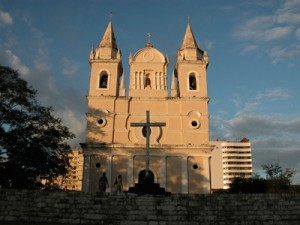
[{"x": 142, "y": 176}]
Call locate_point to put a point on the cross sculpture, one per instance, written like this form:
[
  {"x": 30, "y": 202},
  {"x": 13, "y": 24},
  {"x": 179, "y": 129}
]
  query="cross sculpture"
[{"x": 146, "y": 129}]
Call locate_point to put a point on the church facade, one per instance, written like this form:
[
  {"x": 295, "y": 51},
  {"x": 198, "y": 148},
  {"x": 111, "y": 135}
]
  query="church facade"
[{"x": 180, "y": 151}]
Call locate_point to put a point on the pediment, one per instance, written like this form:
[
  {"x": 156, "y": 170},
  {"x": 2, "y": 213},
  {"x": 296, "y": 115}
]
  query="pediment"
[{"x": 149, "y": 54}]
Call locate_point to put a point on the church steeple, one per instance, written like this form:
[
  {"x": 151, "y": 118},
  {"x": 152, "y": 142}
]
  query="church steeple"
[
  {"x": 108, "y": 48},
  {"x": 189, "y": 39},
  {"x": 191, "y": 67},
  {"x": 106, "y": 66},
  {"x": 189, "y": 49},
  {"x": 108, "y": 39}
]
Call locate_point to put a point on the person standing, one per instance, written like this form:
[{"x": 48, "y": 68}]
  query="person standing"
[
  {"x": 118, "y": 184},
  {"x": 103, "y": 183}
]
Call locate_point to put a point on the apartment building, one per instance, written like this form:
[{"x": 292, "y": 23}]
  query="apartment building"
[
  {"x": 72, "y": 181},
  {"x": 230, "y": 159}
]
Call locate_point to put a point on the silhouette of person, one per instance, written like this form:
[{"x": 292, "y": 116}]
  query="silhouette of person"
[
  {"x": 118, "y": 185},
  {"x": 103, "y": 183}
]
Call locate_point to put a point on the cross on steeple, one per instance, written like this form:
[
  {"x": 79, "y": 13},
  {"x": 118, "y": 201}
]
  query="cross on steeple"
[
  {"x": 149, "y": 36},
  {"x": 147, "y": 132},
  {"x": 149, "y": 44}
]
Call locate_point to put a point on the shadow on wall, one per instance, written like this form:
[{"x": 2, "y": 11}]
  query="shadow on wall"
[
  {"x": 196, "y": 175},
  {"x": 197, "y": 182}
]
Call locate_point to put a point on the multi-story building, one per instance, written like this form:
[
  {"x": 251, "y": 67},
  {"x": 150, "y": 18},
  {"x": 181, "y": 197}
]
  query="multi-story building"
[
  {"x": 230, "y": 160},
  {"x": 73, "y": 179}
]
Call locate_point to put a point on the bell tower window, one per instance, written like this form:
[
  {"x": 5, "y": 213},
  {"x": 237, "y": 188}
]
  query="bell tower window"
[
  {"x": 103, "y": 81},
  {"x": 147, "y": 82},
  {"x": 192, "y": 82}
]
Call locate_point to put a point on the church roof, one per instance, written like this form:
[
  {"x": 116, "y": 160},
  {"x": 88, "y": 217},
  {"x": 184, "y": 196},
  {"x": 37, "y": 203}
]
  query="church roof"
[
  {"x": 189, "y": 40},
  {"x": 108, "y": 39}
]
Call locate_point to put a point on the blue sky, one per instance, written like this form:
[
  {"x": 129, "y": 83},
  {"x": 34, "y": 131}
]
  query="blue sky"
[{"x": 253, "y": 47}]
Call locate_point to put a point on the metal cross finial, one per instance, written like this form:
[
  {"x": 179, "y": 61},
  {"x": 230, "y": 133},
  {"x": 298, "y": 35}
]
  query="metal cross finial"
[
  {"x": 149, "y": 37},
  {"x": 110, "y": 16}
]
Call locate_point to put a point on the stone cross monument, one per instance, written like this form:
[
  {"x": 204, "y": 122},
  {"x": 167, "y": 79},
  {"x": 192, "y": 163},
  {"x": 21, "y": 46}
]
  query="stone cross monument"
[
  {"x": 147, "y": 185},
  {"x": 146, "y": 133}
]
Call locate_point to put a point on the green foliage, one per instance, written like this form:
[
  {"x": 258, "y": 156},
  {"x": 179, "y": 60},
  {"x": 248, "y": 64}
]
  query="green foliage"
[
  {"x": 32, "y": 141},
  {"x": 277, "y": 180}
]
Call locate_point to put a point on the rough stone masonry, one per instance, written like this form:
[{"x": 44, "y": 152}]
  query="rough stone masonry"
[{"x": 19, "y": 207}]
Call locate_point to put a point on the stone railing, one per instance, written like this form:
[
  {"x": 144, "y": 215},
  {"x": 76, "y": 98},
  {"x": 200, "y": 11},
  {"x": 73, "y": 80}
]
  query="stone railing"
[{"x": 44, "y": 207}]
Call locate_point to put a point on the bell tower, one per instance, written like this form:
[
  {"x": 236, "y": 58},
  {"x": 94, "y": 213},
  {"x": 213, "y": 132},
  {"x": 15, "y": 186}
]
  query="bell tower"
[
  {"x": 107, "y": 84},
  {"x": 107, "y": 77},
  {"x": 148, "y": 73},
  {"x": 191, "y": 68}
]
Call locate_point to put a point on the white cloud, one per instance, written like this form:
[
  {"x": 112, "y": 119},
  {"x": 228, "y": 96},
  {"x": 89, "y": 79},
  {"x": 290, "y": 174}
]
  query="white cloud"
[
  {"x": 40, "y": 77},
  {"x": 297, "y": 33},
  {"x": 249, "y": 48},
  {"x": 290, "y": 6},
  {"x": 267, "y": 32},
  {"x": 8, "y": 58},
  {"x": 289, "y": 18},
  {"x": 273, "y": 94},
  {"x": 259, "y": 126},
  {"x": 5, "y": 18},
  {"x": 246, "y": 105},
  {"x": 263, "y": 28},
  {"x": 272, "y": 138},
  {"x": 75, "y": 121},
  {"x": 286, "y": 52},
  {"x": 69, "y": 68}
]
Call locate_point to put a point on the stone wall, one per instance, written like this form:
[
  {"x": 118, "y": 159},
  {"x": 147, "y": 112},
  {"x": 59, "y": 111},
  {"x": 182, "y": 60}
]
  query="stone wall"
[{"x": 44, "y": 207}]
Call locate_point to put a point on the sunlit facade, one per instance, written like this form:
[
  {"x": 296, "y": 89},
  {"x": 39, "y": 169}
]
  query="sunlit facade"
[
  {"x": 180, "y": 150},
  {"x": 230, "y": 160},
  {"x": 72, "y": 181}
]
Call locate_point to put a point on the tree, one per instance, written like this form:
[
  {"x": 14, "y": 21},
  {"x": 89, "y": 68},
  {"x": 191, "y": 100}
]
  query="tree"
[
  {"x": 32, "y": 141},
  {"x": 278, "y": 179}
]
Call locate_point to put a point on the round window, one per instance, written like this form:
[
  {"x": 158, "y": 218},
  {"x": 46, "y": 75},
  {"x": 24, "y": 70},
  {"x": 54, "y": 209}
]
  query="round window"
[
  {"x": 195, "y": 124},
  {"x": 195, "y": 166},
  {"x": 98, "y": 165},
  {"x": 101, "y": 122}
]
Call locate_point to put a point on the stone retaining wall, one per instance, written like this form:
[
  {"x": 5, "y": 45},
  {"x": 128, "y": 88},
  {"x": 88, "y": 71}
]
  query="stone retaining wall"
[{"x": 45, "y": 207}]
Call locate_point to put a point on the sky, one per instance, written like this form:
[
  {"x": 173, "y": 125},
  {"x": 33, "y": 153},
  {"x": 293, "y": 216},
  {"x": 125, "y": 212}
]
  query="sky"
[{"x": 253, "y": 48}]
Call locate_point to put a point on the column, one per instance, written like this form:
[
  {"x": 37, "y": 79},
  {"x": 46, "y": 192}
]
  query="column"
[
  {"x": 108, "y": 171},
  {"x": 143, "y": 77},
  {"x": 130, "y": 180},
  {"x": 86, "y": 173},
  {"x": 185, "y": 179},
  {"x": 134, "y": 81},
  {"x": 163, "y": 172},
  {"x": 161, "y": 81}
]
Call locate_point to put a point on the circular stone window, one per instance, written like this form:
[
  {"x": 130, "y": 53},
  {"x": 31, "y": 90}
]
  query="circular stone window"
[
  {"x": 195, "y": 166},
  {"x": 98, "y": 165},
  {"x": 194, "y": 124},
  {"x": 144, "y": 131},
  {"x": 101, "y": 122}
]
